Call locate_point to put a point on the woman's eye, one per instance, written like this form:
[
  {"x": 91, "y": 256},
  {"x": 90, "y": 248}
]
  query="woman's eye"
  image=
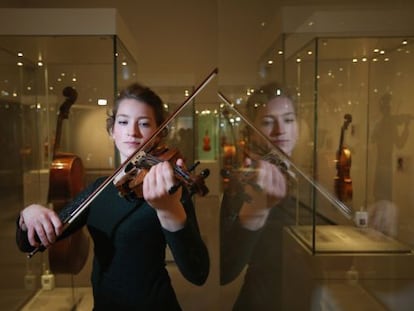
[
  {"x": 290, "y": 120},
  {"x": 122, "y": 122},
  {"x": 267, "y": 122},
  {"x": 144, "y": 124}
]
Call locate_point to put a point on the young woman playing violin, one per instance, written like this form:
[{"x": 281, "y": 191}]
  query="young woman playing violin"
[
  {"x": 251, "y": 224},
  {"x": 130, "y": 236}
]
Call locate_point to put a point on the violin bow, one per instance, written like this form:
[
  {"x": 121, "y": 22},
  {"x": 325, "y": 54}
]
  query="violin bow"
[{"x": 343, "y": 208}]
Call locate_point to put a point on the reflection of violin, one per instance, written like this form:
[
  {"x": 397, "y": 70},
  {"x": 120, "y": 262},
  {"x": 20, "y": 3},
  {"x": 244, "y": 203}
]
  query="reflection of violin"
[
  {"x": 130, "y": 185},
  {"x": 66, "y": 180},
  {"x": 343, "y": 182},
  {"x": 235, "y": 179}
]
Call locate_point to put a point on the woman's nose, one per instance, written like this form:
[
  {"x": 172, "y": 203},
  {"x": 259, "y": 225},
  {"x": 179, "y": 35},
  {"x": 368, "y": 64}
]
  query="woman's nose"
[
  {"x": 277, "y": 128},
  {"x": 134, "y": 131}
]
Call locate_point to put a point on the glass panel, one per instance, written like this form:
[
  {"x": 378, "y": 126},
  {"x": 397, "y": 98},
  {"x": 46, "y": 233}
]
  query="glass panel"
[
  {"x": 20, "y": 118},
  {"x": 126, "y": 66},
  {"x": 346, "y": 227},
  {"x": 50, "y": 99}
]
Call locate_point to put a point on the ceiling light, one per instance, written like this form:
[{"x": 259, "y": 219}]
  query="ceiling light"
[{"x": 102, "y": 102}]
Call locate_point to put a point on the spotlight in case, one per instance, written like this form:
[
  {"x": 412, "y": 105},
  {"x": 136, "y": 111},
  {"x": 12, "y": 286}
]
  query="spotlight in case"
[{"x": 102, "y": 102}]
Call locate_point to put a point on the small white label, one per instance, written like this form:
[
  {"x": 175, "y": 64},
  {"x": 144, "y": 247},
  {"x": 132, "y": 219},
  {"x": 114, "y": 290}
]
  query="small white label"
[{"x": 361, "y": 219}]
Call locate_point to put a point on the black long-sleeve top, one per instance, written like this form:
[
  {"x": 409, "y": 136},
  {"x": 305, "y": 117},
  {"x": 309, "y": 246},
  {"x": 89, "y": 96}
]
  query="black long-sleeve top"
[{"x": 129, "y": 269}]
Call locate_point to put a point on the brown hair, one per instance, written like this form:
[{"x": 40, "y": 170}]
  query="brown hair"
[{"x": 143, "y": 94}]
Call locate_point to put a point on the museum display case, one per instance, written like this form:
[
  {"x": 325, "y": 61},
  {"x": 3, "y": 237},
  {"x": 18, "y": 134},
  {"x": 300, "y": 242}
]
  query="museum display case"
[{"x": 53, "y": 88}]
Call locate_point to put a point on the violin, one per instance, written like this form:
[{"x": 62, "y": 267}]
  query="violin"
[
  {"x": 343, "y": 181},
  {"x": 206, "y": 142},
  {"x": 235, "y": 179},
  {"x": 130, "y": 185}
]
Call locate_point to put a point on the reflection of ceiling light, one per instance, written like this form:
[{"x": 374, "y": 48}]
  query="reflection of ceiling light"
[
  {"x": 186, "y": 93},
  {"x": 102, "y": 102}
]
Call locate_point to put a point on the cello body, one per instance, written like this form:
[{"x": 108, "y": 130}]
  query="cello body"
[{"x": 66, "y": 180}]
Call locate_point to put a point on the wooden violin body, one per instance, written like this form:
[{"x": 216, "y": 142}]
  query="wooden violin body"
[
  {"x": 343, "y": 181},
  {"x": 130, "y": 185},
  {"x": 66, "y": 180}
]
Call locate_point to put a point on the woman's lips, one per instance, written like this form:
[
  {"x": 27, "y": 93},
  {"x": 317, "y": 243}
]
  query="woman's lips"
[{"x": 132, "y": 144}]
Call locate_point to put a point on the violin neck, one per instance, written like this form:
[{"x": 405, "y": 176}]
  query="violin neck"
[{"x": 341, "y": 140}]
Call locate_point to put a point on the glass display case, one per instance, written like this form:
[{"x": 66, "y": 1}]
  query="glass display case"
[
  {"x": 56, "y": 92},
  {"x": 355, "y": 95},
  {"x": 347, "y": 231}
]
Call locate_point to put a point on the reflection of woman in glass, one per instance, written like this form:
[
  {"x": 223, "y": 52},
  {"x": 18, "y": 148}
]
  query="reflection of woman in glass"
[
  {"x": 253, "y": 217},
  {"x": 386, "y": 135}
]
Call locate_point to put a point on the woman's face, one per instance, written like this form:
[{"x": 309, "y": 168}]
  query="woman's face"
[
  {"x": 277, "y": 120},
  {"x": 134, "y": 124}
]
